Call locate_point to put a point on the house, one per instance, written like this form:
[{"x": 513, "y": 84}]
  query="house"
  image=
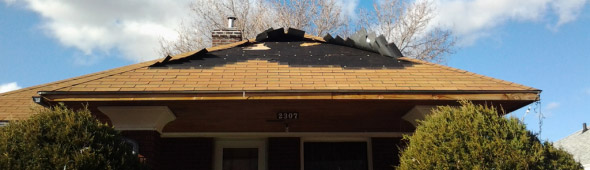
[
  {"x": 577, "y": 145},
  {"x": 285, "y": 100}
]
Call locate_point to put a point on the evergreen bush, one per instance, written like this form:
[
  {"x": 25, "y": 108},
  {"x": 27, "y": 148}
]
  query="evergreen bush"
[
  {"x": 59, "y": 137},
  {"x": 478, "y": 137}
]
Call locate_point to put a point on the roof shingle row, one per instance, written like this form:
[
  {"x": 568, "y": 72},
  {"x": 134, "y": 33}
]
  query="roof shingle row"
[{"x": 265, "y": 75}]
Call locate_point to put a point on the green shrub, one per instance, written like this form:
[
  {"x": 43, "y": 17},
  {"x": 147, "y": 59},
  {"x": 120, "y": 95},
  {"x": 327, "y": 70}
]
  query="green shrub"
[
  {"x": 57, "y": 137},
  {"x": 477, "y": 137}
]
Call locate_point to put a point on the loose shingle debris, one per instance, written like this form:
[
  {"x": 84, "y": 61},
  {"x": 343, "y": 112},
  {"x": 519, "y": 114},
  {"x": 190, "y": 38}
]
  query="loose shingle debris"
[
  {"x": 361, "y": 50},
  {"x": 367, "y": 41}
]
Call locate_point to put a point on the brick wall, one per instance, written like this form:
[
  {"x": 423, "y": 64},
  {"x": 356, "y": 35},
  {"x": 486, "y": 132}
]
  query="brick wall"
[
  {"x": 284, "y": 153},
  {"x": 187, "y": 153},
  {"x": 385, "y": 153},
  {"x": 225, "y": 36}
]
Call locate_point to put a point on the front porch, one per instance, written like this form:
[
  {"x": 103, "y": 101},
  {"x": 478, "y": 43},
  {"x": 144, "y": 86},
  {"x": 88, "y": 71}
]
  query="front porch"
[
  {"x": 313, "y": 150},
  {"x": 221, "y": 134},
  {"x": 354, "y": 132}
]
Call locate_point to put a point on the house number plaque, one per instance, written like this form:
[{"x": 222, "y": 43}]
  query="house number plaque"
[{"x": 287, "y": 115}]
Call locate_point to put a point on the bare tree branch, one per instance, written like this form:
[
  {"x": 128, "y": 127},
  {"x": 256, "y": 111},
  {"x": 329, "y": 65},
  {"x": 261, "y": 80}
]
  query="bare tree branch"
[
  {"x": 407, "y": 23},
  {"x": 329, "y": 18},
  {"x": 409, "y": 26}
]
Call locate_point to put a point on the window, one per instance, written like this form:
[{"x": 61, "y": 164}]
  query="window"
[
  {"x": 240, "y": 154},
  {"x": 240, "y": 159},
  {"x": 336, "y": 155}
]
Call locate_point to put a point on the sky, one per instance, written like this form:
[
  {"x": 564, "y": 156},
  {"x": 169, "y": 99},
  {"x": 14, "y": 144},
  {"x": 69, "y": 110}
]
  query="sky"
[{"x": 544, "y": 44}]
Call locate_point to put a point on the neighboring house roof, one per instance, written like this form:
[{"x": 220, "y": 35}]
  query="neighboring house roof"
[
  {"x": 578, "y": 145},
  {"x": 280, "y": 64}
]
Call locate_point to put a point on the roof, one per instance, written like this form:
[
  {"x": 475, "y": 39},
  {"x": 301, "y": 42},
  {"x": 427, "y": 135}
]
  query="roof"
[
  {"x": 16, "y": 105},
  {"x": 577, "y": 144},
  {"x": 272, "y": 62},
  {"x": 269, "y": 75}
]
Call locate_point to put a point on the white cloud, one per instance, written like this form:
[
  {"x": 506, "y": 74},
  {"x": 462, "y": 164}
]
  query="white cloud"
[
  {"x": 473, "y": 19},
  {"x": 567, "y": 10},
  {"x": 348, "y": 7},
  {"x": 552, "y": 106},
  {"x": 132, "y": 27},
  {"x": 9, "y": 87}
]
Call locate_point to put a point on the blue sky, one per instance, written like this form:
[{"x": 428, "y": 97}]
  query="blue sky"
[{"x": 540, "y": 43}]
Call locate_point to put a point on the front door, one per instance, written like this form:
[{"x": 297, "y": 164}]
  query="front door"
[{"x": 335, "y": 155}]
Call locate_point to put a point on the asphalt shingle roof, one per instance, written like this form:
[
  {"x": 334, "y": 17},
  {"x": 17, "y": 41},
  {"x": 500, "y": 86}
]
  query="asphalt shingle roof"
[
  {"x": 266, "y": 73},
  {"x": 578, "y": 144}
]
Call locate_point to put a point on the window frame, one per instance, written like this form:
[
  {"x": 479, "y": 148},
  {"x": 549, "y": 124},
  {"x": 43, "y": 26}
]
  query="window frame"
[
  {"x": 259, "y": 143},
  {"x": 336, "y": 139}
]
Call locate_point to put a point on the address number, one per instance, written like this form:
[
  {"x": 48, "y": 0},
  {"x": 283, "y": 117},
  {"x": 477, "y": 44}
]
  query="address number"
[{"x": 288, "y": 115}]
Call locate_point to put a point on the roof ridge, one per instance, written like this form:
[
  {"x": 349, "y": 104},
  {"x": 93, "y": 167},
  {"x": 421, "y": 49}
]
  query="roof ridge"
[
  {"x": 578, "y": 132},
  {"x": 467, "y": 72},
  {"x": 131, "y": 67}
]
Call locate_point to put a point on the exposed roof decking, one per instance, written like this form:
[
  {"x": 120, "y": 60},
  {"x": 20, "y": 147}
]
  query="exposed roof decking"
[{"x": 293, "y": 53}]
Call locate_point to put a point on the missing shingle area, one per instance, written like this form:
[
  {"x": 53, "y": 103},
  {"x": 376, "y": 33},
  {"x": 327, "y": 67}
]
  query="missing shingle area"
[
  {"x": 291, "y": 53},
  {"x": 307, "y": 44},
  {"x": 256, "y": 46}
]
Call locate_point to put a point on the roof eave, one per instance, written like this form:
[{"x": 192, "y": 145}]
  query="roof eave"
[
  {"x": 536, "y": 91},
  {"x": 527, "y": 96}
]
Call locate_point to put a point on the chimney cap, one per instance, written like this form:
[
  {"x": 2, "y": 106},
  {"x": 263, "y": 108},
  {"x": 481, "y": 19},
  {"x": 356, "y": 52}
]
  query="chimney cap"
[
  {"x": 230, "y": 22},
  {"x": 584, "y": 128}
]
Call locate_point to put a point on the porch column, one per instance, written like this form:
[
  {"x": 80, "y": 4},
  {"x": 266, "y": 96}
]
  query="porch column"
[
  {"x": 143, "y": 124},
  {"x": 152, "y": 118},
  {"x": 419, "y": 112},
  {"x": 149, "y": 144}
]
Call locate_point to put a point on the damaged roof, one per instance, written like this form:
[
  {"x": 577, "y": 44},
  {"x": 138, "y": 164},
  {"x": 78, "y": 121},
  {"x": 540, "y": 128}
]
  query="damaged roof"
[
  {"x": 293, "y": 48},
  {"x": 292, "y": 53},
  {"x": 276, "y": 61}
]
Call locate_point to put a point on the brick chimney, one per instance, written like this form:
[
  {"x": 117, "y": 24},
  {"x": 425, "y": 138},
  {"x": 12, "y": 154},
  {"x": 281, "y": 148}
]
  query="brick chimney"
[{"x": 227, "y": 35}]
